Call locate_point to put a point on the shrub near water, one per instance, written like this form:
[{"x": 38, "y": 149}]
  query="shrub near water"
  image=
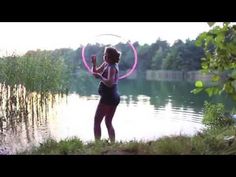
[
  {"x": 63, "y": 147},
  {"x": 215, "y": 116},
  {"x": 39, "y": 72}
]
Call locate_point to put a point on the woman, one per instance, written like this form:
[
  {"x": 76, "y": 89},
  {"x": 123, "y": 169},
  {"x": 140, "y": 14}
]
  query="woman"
[{"x": 108, "y": 73}]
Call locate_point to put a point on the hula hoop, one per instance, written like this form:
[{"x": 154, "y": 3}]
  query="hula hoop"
[{"x": 120, "y": 77}]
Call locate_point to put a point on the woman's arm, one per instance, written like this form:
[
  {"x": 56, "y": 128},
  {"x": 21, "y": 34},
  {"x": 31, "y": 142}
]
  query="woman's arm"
[
  {"x": 96, "y": 69},
  {"x": 110, "y": 79}
]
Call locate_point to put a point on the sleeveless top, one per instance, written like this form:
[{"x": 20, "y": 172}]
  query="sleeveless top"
[{"x": 104, "y": 90}]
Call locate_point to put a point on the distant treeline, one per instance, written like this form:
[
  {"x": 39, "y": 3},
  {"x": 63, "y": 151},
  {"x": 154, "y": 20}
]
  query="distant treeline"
[
  {"x": 51, "y": 70},
  {"x": 182, "y": 56}
]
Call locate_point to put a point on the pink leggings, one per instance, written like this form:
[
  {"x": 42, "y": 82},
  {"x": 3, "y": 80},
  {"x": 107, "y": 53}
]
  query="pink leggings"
[{"x": 108, "y": 112}]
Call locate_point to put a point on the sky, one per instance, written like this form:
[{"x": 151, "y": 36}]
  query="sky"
[{"x": 19, "y": 37}]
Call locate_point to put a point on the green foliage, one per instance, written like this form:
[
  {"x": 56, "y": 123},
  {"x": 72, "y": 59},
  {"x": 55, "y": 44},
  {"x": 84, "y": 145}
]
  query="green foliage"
[
  {"x": 45, "y": 71},
  {"x": 196, "y": 90},
  {"x": 37, "y": 71},
  {"x": 199, "y": 87},
  {"x": 63, "y": 147},
  {"x": 198, "y": 84},
  {"x": 219, "y": 45},
  {"x": 211, "y": 23},
  {"x": 175, "y": 145},
  {"x": 159, "y": 51},
  {"x": 183, "y": 56},
  {"x": 207, "y": 142},
  {"x": 215, "y": 116}
]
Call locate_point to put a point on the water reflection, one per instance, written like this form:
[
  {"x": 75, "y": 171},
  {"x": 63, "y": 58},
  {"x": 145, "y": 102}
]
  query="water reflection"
[
  {"x": 23, "y": 117},
  {"x": 147, "y": 110}
]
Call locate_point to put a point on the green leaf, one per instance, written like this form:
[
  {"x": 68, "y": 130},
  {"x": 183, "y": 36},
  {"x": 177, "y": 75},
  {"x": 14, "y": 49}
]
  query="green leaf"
[
  {"x": 220, "y": 92},
  {"x": 199, "y": 84},
  {"x": 215, "y": 78},
  {"x": 233, "y": 74},
  {"x": 219, "y": 39},
  {"x": 216, "y": 91},
  {"x": 234, "y": 97},
  {"x": 198, "y": 43},
  {"x": 226, "y": 23},
  {"x": 204, "y": 66},
  {"x": 209, "y": 91},
  {"x": 210, "y": 23},
  {"x": 196, "y": 90},
  {"x": 234, "y": 84},
  {"x": 230, "y": 89},
  {"x": 201, "y": 38}
]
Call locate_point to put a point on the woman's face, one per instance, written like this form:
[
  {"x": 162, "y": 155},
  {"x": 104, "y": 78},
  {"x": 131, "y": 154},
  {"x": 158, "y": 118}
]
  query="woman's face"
[{"x": 105, "y": 57}]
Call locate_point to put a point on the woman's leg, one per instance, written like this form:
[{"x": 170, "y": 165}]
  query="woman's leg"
[
  {"x": 100, "y": 113},
  {"x": 108, "y": 120}
]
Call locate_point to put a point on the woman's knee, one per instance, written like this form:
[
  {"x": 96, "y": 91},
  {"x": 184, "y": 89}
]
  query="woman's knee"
[{"x": 108, "y": 123}]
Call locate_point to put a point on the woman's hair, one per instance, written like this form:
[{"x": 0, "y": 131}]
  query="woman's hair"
[{"x": 113, "y": 54}]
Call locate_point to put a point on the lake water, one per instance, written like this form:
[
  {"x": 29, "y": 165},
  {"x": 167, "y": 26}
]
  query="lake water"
[{"x": 148, "y": 110}]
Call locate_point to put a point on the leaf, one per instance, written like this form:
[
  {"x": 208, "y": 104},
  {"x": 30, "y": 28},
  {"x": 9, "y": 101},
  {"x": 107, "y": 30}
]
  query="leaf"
[
  {"x": 216, "y": 91},
  {"x": 219, "y": 38},
  {"x": 199, "y": 84},
  {"x": 201, "y": 38},
  {"x": 233, "y": 74},
  {"x": 230, "y": 89},
  {"x": 234, "y": 97},
  {"x": 215, "y": 78},
  {"x": 234, "y": 84},
  {"x": 204, "y": 66},
  {"x": 220, "y": 92},
  {"x": 196, "y": 90},
  {"x": 209, "y": 91},
  {"x": 198, "y": 43},
  {"x": 226, "y": 23},
  {"x": 210, "y": 23}
]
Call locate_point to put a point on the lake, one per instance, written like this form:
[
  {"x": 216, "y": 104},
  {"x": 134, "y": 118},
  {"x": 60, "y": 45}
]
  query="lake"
[{"x": 148, "y": 110}]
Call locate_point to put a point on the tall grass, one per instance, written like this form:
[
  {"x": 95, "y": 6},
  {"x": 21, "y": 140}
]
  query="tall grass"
[
  {"x": 40, "y": 72},
  {"x": 206, "y": 143}
]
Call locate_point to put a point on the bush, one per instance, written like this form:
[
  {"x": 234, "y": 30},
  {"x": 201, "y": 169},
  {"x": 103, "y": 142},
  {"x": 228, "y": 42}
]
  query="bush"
[{"x": 215, "y": 116}]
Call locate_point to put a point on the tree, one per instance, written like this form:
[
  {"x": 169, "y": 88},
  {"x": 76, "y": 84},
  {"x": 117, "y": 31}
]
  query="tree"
[
  {"x": 219, "y": 45},
  {"x": 160, "y": 51}
]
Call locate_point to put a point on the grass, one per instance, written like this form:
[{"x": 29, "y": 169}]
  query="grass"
[{"x": 208, "y": 142}]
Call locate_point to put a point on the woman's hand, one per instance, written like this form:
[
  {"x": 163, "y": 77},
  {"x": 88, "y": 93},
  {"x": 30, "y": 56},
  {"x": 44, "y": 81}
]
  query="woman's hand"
[
  {"x": 93, "y": 60},
  {"x": 97, "y": 75}
]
